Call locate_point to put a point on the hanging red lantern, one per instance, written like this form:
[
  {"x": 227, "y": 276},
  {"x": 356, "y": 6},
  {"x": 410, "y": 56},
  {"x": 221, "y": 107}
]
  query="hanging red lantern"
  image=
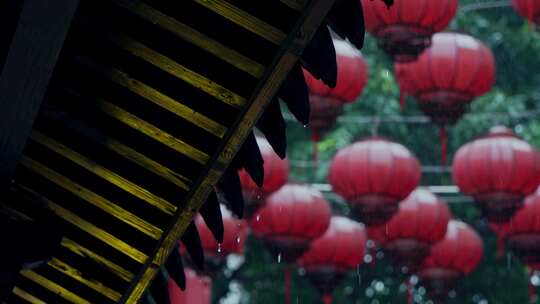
[
  {"x": 404, "y": 30},
  {"x": 529, "y": 9},
  {"x": 420, "y": 222},
  {"x": 340, "y": 249},
  {"x": 447, "y": 77},
  {"x": 327, "y": 103},
  {"x": 373, "y": 176},
  {"x": 276, "y": 174},
  {"x": 524, "y": 232},
  {"x": 498, "y": 171},
  {"x": 198, "y": 289},
  {"x": 290, "y": 219},
  {"x": 234, "y": 236},
  {"x": 524, "y": 237},
  {"x": 451, "y": 259}
]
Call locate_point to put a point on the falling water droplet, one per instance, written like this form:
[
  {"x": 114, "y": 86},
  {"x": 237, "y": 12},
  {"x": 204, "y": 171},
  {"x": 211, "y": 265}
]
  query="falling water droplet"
[
  {"x": 359, "y": 276},
  {"x": 279, "y": 258},
  {"x": 238, "y": 240},
  {"x": 305, "y": 126},
  {"x": 258, "y": 218},
  {"x": 219, "y": 248}
]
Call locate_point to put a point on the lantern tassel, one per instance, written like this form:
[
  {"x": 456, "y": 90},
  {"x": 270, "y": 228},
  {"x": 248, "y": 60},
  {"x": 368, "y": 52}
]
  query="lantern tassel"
[
  {"x": 533, "y": 297},
  {"x": 443, "y": 137},
  {"x": 409, "y": 286},
  {"x": 327, "y": 299},
  {"x": 287, "y": 276},
  {"x": 500, "y": 246},
  {"x": 402, "y": 100},
  {"x": 501, "y": 235},
  {"x": 315, "y": 138}
]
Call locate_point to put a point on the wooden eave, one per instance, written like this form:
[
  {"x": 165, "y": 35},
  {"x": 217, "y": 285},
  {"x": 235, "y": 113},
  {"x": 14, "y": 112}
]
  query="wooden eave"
[{"x": 148, "y": 104}]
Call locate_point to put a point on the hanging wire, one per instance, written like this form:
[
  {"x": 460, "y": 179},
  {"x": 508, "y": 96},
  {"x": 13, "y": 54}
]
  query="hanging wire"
[
  {"x": 420, "y": 119},
  {"x": 484, "y": 5}
]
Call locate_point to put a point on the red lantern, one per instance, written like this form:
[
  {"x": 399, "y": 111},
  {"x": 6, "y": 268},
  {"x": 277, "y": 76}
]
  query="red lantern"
[
  {"x": 420, "y": 222},
  {"x": 290, "y": 219},
  {"x": 276, "y": 174},
  {"x": 498, "y": 171},
  {"x": 234, "y": 237},
  {"x": 456, "y": 256},
  {"x": 447, "y": 77},
  {"x": 198, "y": 289},
  {"x": 404, "y": 30},
  {"x": 327, "y": 103},
  {"x": 340, "y": 249},
  {"x": 524, "y": 237},
  {"x": 374, "y": 175},
  {"x": 524, "y": 232},
  {"x": 529, "y": 9}
]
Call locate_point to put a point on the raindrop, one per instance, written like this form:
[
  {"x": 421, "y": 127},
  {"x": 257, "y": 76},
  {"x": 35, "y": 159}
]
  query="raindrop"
[
  {"x": 358, "y": 275},
  {"x": 370, "y": 244},
  {"x": 219, "y": 248},
  {"x": 258, "y": 218},
  {"x": 368, "y": 258},
  {"x": 305, "y": 126},
  {"x": 279, "y": 258},
  {"x": 414, "y": 279},
  {"x": 379, "y": 286},
  {"x": 238, "y": 240},
  {"x": 535, "y": 280}
]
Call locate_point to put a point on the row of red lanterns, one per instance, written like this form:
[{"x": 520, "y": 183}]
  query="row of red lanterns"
[
  {"x": 296, "y": 224},
  {"x": 444, "y": 79}
]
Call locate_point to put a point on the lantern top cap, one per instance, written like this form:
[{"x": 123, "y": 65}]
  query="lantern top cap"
[{"x": 500, "y": 131}]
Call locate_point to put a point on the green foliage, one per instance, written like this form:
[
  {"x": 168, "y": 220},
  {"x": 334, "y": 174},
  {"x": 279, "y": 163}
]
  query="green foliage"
[{"x": 497, "y": 280}]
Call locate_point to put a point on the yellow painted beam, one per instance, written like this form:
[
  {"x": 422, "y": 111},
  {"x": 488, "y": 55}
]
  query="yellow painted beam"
[
  {"x": 78, "y": 276},
  {"x": 193, "y": 36},
  {"x": 166, "y": 102},
  {"x": 177, "y": 70},
  {"x": 87, "y": 253},
  {"x": 153, "y": 132},
  {"x": 92, "y": 198},
  {"x": 244, "y": 20},
  {"x": 104, "y": 173},
  {"x": 53, "y": 287},
  {"x": 88, "y": 227},
  {"x": 27, "y": 296}
]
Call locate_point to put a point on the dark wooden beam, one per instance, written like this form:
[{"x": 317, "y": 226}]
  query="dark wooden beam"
[{"x": 32, "y": 56}]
